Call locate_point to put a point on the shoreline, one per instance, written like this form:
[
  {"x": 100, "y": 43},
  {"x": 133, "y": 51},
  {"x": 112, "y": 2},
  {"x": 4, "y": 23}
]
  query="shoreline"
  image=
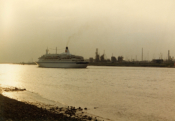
[
  {"x": 117, "y": 65},
  {"x": 135, "y": 64},
  {"x": 11, "y": 109}
]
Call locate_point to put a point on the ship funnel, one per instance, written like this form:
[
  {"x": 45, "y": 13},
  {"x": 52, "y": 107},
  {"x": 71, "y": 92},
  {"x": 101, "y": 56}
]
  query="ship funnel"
[{"x": 67, "y": 50}]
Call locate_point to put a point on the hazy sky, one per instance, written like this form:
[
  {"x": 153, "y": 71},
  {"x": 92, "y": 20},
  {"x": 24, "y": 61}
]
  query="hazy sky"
[{"x": 121, "y": 27}]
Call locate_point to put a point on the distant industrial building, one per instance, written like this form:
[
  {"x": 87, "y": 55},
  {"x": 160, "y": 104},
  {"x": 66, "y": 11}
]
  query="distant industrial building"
[
  {"x": 169, "y": 57},
  {"x": 157, "y": 60},
  {"x": 120, "y": 58},
  {"x": 97, "y": 56},
  {"x": 119, "y": 61},
  {"x": 91, "y": 60},
  {"x": 113, "y": 59},
  {"x": 102, "y": 58}
]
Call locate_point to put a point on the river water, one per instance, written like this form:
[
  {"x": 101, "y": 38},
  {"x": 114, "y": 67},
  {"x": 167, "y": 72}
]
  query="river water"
[{"x": 116, "y": 93}]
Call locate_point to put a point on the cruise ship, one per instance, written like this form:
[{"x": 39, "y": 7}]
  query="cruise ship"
[{"x": 63, "y": 60}]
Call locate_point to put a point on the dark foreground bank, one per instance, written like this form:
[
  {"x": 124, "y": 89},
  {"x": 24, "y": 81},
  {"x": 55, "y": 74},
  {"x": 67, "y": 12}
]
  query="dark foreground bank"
[
  {"x": 15, "y": 110},
  {"x": 11, "y": 109}
]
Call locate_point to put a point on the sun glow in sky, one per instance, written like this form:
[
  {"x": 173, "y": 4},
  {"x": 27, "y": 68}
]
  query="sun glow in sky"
[{"x": 28, "y": 27}]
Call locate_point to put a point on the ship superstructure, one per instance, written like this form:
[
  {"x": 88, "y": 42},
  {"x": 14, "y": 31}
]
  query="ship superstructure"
[{"x": 63, "y": 60}]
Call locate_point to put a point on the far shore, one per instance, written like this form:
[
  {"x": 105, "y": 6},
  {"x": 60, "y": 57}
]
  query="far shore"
[{"x": 123, "y": 64}]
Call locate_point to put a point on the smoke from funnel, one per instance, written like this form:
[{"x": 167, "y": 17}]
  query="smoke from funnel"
[
  {"x": 77, "y": 34},
  {"x": 71, "y": 38}
]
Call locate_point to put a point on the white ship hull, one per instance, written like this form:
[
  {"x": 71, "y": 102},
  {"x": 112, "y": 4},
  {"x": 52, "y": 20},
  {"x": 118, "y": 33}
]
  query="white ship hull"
[{"x": 62, "y": 64}]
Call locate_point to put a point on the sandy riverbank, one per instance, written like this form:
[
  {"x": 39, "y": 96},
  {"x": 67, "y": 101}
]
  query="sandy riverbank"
[{"x": 11, "y": 109}]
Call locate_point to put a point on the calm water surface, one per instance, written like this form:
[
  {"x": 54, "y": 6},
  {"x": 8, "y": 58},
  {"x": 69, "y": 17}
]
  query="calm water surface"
[{"x": 118, "y": 93}]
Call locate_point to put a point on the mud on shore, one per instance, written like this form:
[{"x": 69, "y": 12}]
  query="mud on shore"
[{"x": 11, "y": 109}]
